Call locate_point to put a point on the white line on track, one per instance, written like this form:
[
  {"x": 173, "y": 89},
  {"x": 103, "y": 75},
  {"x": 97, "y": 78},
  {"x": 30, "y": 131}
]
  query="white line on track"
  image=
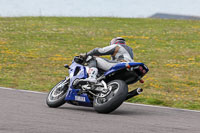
[
  {"x": 162, "y": 107},
  {"x": 37, "y": 92},
  {"x": 144, "y": 105}
]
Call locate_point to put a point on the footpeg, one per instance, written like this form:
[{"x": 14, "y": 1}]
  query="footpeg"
[{"x": 78, "y": 83}]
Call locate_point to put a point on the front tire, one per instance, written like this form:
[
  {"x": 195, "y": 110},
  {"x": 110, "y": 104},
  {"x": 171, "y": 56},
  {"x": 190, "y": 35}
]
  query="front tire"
[
  {"x": 56, "y": 97},
  {"x": 114, "y": 99}
]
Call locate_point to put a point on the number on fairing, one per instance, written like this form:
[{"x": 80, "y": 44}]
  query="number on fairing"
[{"x": 78, "y": 98}]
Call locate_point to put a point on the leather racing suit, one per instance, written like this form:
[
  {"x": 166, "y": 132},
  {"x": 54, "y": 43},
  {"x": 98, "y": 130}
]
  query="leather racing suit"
[{"x": 118, "y": 52}]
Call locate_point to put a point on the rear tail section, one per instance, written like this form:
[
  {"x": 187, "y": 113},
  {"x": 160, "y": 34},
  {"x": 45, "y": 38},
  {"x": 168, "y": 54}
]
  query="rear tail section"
[{"x": 128, "y": 72}]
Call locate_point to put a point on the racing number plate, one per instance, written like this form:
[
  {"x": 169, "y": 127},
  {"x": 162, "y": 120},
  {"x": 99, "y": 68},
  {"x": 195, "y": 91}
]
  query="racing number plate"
[{"x": 79, "y": 98}]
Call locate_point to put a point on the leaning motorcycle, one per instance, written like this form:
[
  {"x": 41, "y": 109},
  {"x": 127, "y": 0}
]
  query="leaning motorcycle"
[{"x": 106, "y": 95}]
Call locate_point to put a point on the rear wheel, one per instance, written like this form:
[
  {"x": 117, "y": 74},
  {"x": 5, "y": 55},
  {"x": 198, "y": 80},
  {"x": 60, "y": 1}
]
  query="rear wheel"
[
  {"x": 118, "y": 94},
  {"x": 56, "y": 96}
]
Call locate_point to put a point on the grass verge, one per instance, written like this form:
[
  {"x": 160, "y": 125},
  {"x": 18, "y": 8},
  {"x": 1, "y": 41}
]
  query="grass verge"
[{"x": 34, "y": 49}]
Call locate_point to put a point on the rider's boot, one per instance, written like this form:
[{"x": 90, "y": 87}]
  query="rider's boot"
[{"x": 92, "y": 75}]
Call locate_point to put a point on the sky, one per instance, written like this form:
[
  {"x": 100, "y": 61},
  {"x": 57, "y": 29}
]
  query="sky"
[{"x": 99, "y": 8}]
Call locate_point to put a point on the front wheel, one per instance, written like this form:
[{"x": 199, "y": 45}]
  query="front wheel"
[
  {"x": 118, "y": 94},
  {"x": 56, "y": 96}
]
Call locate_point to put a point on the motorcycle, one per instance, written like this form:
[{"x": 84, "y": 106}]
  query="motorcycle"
[{"x": 110, "y": 91}]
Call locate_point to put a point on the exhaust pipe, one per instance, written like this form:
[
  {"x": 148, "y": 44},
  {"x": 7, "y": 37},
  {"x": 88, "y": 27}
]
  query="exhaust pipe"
[{"x": 134, "y": 93}]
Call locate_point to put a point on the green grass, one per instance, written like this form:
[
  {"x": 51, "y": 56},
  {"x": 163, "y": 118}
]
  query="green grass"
[{"x": 34, "y": 49}]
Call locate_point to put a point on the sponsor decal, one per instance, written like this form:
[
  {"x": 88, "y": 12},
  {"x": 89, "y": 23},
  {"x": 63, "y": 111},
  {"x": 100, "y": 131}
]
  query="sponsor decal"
[{"x": 79, "y": 98}]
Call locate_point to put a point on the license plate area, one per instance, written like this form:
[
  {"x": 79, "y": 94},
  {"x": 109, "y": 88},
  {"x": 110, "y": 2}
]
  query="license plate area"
[{"x": 79, "y": 98}]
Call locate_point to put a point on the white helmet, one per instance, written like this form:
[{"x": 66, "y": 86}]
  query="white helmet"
[{"x": 118, "y": 40}]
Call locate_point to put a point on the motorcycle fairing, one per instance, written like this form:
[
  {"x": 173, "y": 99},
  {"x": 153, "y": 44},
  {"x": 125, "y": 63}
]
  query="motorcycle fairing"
[{"x": 77, "y": 71}]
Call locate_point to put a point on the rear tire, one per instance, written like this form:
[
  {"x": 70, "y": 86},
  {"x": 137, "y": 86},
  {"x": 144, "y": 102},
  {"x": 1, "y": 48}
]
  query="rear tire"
[
  {"x": 56, "y": 97},
  {"x": 114, "y": 99}
]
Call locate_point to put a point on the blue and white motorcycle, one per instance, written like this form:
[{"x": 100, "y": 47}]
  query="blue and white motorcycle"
[{"x": 106, "y": 95}]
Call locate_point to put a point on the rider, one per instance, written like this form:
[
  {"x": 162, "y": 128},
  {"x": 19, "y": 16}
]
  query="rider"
[{"x": 119, "y": 52}]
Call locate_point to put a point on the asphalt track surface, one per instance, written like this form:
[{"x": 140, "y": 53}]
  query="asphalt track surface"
[{"x": 27, "y": 112}]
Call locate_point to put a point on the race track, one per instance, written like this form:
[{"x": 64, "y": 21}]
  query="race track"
[{"x": 27, "y": 112}]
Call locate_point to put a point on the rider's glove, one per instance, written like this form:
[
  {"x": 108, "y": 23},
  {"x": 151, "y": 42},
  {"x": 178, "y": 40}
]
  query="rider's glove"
[{"x": 83, "y": 55}]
